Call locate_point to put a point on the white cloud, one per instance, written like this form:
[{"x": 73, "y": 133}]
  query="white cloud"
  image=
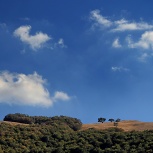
[
  {"x": 143, "y": 57},
  {"x": 118, "y": 25},
  {"x": 23, "y": 89},
  {"x": 129, "y": 41},
  {"x": 145, "y": 42},
  {"x": 60, "y": 43},
  {"x": 116, "y": 43},
  {"x": 35, "y": 41},
  {"x": 59, "y": 95},
  {"x": 119, "y": 69},
  {"x": 124, "y": 25},
  {"x": 114, "y": 27},
  {"x": 116, "y": 69},
  {"x": 99, "y": 19},
  {"x": 28, "y": 90}
]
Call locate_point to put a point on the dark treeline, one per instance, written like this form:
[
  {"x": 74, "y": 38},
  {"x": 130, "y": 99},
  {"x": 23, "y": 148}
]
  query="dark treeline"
[{"x": 73, "y": 123}]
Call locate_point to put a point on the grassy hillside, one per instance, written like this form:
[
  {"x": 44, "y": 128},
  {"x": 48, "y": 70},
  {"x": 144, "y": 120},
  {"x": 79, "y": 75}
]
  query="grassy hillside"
[{"x": 127, "y": 125}]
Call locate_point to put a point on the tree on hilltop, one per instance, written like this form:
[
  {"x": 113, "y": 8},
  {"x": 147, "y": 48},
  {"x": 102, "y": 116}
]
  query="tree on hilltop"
[
  {"x": 101, "y": 119},
  {"x": 111, "y": 120},
  {"x": 118, "y": 120}
]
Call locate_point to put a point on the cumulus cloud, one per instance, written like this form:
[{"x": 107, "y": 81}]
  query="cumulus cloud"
[
  {"x": 28, "y": 90},
  {"x": 145, "y": 42},
  {"x": 116, "y": 43},
  {"x": 119, "y": 69},
  {"x": 34, "y": 41}
]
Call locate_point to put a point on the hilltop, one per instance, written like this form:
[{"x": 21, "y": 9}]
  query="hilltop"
[{"x": 126, "y": 125}]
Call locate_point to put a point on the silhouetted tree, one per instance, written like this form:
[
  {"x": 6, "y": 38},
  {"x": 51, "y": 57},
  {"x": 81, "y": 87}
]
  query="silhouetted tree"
[
  {"x": 111, "y": 120},
  {"x": 101, "y": 119},
  {"x": 118, "y": 120}
]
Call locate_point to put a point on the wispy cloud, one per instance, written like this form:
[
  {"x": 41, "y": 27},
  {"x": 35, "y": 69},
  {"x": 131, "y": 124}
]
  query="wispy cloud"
[
  {"x": 142, "y": 40},
  {"x": 116, "y": 43},
  {"x": 25, "y": 19},
  {"x": 59, "y": 95},
  {"x": 99, "y": 19},
  {"x": 3, "y": 25},
  {"x": 60, "y": 43},
  {"x": 28, "y": 90},
  {"x": 143, "y": 57},
  {"x": 129, "y": 41},
  {"x": 118, "y": 25},
  {"x": 119, "y": 69},
  {"x": 125, "y": 25},
  {"x": 34, "y": 41}
]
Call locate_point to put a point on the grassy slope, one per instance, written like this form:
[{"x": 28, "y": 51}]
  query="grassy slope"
[{"x": 125, "y": 125}]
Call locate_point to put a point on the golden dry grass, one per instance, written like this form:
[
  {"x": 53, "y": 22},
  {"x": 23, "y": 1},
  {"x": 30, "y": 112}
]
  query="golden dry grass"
[
  {"x": 13, "y": 123},
  {"x": 125, "y": 125}
]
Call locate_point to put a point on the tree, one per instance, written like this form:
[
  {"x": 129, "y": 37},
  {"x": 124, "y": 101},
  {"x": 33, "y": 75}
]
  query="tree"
[
  {"x": 101, "y": 119},
  {"x": 118, "y": 120},
  {"x": 111, "y": 120}
]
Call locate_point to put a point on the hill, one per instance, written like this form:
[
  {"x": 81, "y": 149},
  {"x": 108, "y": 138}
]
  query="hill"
[
  {"x": 59, "y": 137},
  {"x": 126, "y": 125}
]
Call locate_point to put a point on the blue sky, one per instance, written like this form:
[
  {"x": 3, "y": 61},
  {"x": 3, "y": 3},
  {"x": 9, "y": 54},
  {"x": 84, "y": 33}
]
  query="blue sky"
[{"x": 84, "y": 59}]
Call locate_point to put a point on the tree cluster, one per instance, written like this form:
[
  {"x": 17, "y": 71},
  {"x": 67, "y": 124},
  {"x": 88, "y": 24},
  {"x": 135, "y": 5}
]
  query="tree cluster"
[
  {"x": 102, "y": 120},
  {"x": 73, "y": 123}
]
